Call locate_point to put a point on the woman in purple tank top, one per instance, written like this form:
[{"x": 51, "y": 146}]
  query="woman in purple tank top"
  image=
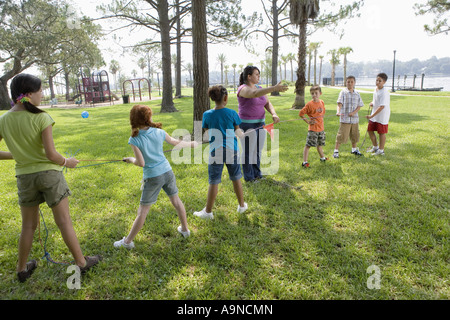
[{"x": 253, "y": 103}]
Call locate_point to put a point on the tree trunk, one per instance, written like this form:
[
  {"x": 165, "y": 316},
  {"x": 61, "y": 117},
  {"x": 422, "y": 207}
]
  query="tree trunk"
[
  {"x": 50, "y": 85},
  {"x": 309, "y": 69},
  {"x": 167, "y": 99},
  {"x": 5, "y": 100},
  {"x": 178, "y": 64},
  {"x": 67, "y": 81},
  {"x": 200, "y": 60},
  {"x": 320, "y": 71},
  {"x": 345, "y": 67},
  {"x": 301, "y": 71},
  {"x": 333, "y": 73},
  {"x": 275, "y": 47},
  {"x": 292, "y": 72},
  {"x": 315, "y": 64}
]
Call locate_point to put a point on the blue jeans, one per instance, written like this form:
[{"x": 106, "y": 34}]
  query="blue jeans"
[
  {"x": 215, "y": 166},
  {"x": 252, "y": 145}
]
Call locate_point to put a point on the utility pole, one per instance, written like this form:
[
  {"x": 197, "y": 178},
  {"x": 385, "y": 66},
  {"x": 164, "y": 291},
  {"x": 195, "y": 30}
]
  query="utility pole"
[{"x": 393, "y": 73}]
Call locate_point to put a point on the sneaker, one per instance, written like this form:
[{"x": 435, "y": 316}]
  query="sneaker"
[
  {"x": 90, "y": 262},
  {"x": 242, "y": 209},
  {"x": 378, "y": 153},
  {"x": 373, "y": 149},
  {"x": 336, "y": 155},
  {"x": 184, "y": 233},
  {"x": 29, "y": 269},
  {"x": 121, "y": 243},
  {"x": 357, "y": 153},
  {"x": 323, "y": 160},
  {"x": 203, "y": 214},
  {"x": 305, "y": 164}
]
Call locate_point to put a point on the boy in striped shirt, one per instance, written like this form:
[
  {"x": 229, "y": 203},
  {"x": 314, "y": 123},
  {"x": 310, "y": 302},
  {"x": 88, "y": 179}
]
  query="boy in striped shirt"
[{"x": 349, "y": 103}]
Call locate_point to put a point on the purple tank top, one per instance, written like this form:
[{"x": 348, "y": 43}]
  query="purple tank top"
[{"x": 251, "y": 108}]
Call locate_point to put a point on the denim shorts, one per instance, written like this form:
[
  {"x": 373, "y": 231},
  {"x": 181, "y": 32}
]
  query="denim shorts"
[
  {"x": 315, "y": 139},
  {"x": 152, "y": 187},
  {"x": 46, "y": 186},
  {"x": 215, "y": 166}
]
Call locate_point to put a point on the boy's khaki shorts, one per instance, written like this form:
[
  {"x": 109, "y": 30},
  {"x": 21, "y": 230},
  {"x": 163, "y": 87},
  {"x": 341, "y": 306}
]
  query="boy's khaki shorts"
[
  {"x": 45, "y": 186},
  {"x": 348, "y": 130}
]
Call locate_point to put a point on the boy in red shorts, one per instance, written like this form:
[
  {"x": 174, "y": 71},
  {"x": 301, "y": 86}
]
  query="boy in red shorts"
[{"x": 379, "y": 118}]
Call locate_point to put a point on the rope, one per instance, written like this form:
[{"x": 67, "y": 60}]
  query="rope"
[
  {"x": 44, "y": 245},
  {"x": 362, "y": 144}
]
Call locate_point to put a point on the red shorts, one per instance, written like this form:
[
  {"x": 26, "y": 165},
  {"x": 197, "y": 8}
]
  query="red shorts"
[{"x": 380, "y": 128}]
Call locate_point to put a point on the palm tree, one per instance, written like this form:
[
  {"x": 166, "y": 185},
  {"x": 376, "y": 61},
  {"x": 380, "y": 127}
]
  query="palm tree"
[
  {"x": 285, "y": 60},
  {"x": 320, "y": 69},
  {"x": 221, "y": 58},
  {"x": 301, "y": 11},
  {"x": 345, "y": 51},
  {"x": 334, "y": 61},
  {"x": 313, "y": 46},
  {"x": 142, "y": 64},
  {"x": 309, "y": 53},
  {"x": 188, "y": 68},
  {"x": 226, "y": 74},
  {"x": 114, "y": 67},
  {"x": 291, "y": 58}
]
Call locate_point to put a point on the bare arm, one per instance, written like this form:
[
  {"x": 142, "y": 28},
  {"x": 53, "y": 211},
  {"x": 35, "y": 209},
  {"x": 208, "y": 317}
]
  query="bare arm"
[
  {"x": 338, "y": 109},
  {"x": 52, "y": 154},
  {"x": 139, "y": 158},
  {"x": 247, "y": 92},
  {"x": 376, "y": 112},
  {"x": 269, "y": 107},
  {"x": 351, "y": 114},
  {"x": 180, "y": 143},
  {"x": 5, "y": 155},
  {"x": 238, "y": 131}
]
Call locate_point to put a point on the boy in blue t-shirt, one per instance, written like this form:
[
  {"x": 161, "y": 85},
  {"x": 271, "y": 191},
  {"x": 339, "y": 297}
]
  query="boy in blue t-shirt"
[{"x": 223, "y": 125}]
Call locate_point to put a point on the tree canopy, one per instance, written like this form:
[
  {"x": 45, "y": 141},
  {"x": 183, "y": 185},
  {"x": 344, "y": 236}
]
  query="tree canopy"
[{"x": 42, "y": 33}]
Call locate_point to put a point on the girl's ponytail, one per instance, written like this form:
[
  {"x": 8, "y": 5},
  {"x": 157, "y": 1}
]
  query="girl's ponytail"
[
  {"x": 21, "y": 85},
  {"x": 141, "y": 116}
]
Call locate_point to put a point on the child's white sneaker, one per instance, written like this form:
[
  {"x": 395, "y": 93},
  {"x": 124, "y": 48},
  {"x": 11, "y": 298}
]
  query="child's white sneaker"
[
  {"x": 242, "y": 209},
  {"x": 373, "y": 149},
  {"x": 379, "y": 152},
  {"x": 121, "y": 243},
  {"x": 184, "y": 233},
  {"x": 203, "y": 214}
]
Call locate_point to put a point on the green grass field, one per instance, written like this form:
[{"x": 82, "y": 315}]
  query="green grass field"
[{"x": 314, "y": 243}]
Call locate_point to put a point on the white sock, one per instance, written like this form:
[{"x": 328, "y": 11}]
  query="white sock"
[
  {"x": 336, "y": 150},
  {"x": 354, "y": 149}
]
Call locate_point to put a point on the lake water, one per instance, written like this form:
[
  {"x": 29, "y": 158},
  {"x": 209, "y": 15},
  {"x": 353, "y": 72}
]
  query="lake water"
[{"x": 428, "y": 82}]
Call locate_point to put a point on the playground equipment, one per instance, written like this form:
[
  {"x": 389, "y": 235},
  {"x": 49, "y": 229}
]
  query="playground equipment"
[
  {"x": 139, "y": 86},
  {"x": 95, "y": 88}
]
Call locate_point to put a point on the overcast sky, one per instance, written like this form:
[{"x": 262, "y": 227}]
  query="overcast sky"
[{"x": 384, "y": 26}]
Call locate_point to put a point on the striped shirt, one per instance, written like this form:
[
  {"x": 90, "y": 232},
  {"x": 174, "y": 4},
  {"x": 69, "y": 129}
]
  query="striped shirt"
[{"x": 350, "y": 102}]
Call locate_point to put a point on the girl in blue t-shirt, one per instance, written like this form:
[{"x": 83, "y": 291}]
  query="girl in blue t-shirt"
[
  {"x": 222, "y": 125},
  {"x": 146, "y": 141}
]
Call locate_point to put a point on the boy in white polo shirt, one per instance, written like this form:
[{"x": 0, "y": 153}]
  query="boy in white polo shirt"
[
  {"x": 379, "y": 118},
  {"x": 349, "y": 103}
]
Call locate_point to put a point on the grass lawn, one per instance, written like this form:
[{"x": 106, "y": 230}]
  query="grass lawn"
[{"x": 314, "y": 243}]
